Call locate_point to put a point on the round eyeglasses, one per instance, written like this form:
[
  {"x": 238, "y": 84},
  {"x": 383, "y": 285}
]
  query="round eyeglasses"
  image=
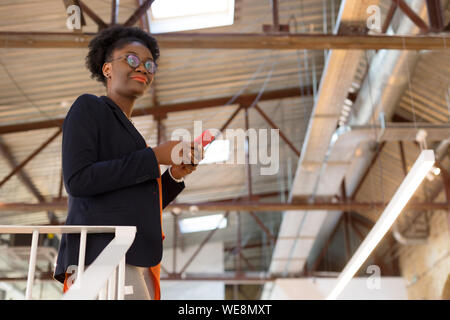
[{"x": 134, "y": 61}]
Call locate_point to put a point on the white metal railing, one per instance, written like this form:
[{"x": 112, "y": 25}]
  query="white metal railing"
[{"x": 99, "y": 279}]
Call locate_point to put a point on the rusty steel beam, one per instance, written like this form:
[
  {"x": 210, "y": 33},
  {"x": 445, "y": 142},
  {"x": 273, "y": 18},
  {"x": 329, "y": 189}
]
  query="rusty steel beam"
[
  {"x": 238, "y": 242},
  {"x": 256, "y": 206},
  {"x": 249, "y": 246},
  {"x": 412, "y": 15},
  {"x": 21, "y": 174},
  {"x": 324, "y": 249},
  {"x": 435, "y": 15},
  {"x": 275, "y": 16},
  {"x": 369, "y": 168},
  {"x": 357, "y": 230},
  {"x": 21, "y": 127},
  {"x": 85, "y": 9},
  {"x": 161, "y": 128},
  {"x": 217, "y": 102},
  {"x": 244, "y": 258},
  {"x": 138, "y": 13},
  {"x": 164, "y": 110},
  {"x": 361, "y": 220},
  {"x": 298, "y": 41},
  {"x": 389, "y": 17},
  {"x": 143, "y": 22},
  {"x": 237, "y": 251},
  {"x": 30, "y": 157},
  {"x": 158, "y": 133},
  {"x": 256, "y": 41},
  {"x": 227, "y": 123},
  {"x": 114, "y": 11},
  {"x": 242, "y": 206},
  {"x": 247, "y": 157},
  {"x": 282, "y": 135},
  {"x": 403, "y": 158},
  {"x": 26, "y": 180},
  {"x": 59, "y": 204},
  {"x": 245, "y": 198},
  {"x": 228, "y": 277},
  {"x": 276, "y": 26},
  {"x": 255, "y": 197},
  {"x": 263, "y": 226}
]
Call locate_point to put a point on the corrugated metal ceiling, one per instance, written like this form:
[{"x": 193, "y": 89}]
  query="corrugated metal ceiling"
[{"x": 41, "y": 84}]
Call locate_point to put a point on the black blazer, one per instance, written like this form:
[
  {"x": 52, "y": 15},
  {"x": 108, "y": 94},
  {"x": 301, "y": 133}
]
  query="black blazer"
[{"x": 110, "y": 176}]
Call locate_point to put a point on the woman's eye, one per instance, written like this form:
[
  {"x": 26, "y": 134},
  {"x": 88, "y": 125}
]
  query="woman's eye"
[{"x": 133, "y": 61}]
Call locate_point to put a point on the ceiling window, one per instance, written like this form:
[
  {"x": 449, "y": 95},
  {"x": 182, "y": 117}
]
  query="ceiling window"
[
  {"x": 181, "y": 15},
  {"x": 204, "y": 223}
]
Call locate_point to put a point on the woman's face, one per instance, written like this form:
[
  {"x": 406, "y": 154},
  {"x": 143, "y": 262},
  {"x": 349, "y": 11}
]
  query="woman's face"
[{"x": 123, "y": 79}]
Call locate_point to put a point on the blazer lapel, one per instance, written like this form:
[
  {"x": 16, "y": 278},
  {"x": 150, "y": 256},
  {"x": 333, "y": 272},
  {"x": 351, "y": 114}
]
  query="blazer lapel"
[{"x": 140, "y": 141}]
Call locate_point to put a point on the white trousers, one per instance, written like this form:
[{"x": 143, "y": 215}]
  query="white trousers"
[{"x": 141, "y": 281}]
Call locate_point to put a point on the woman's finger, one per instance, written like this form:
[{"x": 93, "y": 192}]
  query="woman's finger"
[{"x": 197, "y": 151}]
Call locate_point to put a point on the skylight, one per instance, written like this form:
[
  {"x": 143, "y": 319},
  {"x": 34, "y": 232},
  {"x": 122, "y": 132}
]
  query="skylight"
[
  {"x": 181, "y": 15},
  {"x": 204, "y": 223}
]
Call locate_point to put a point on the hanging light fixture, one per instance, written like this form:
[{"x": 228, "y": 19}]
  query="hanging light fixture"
[{"x": 401, "y": 197}]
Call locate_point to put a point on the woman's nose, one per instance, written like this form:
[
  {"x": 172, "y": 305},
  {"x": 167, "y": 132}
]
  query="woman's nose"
[{"x": 141, "y": 68}]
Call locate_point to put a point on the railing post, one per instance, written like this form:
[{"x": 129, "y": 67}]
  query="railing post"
[
  {"x": 121, "y": 280},
  {"x": 32, "y": 265},
  {"x": 81, "y": 257},
  {"x": 112, "y": 286},
  {"x": 102, "y": 293}
]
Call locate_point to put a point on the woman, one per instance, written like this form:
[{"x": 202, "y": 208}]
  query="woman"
[{"x": 111, "y": 176}]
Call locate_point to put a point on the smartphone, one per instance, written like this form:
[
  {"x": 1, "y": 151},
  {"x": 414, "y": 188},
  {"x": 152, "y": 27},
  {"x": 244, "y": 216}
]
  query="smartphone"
[{"x": 205, "y": 138}]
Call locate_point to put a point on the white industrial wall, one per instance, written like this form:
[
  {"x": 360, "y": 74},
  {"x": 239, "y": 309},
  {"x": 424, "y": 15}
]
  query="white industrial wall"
[{"x": 209, "y": 260}]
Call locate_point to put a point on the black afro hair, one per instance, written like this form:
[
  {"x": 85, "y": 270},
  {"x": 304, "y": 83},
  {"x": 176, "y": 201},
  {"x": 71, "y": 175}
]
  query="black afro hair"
[{"x": 102, "y": 46}]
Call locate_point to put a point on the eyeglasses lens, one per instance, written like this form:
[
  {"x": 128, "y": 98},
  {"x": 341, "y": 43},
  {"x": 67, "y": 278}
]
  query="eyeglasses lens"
[
  {"x": 134, "y": 62},
  {"x": 150, "y": 66}
]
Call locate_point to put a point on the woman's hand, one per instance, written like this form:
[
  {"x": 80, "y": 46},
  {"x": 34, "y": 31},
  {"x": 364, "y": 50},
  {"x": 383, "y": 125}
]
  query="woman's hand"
[
  {"x": 175, "y": 152},
  {"x": 163, "y": 152},
  {"x": 179, "y": 171}
]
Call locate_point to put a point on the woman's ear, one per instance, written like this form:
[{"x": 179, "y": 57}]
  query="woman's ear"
[{"x": 106, "y": 69}]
